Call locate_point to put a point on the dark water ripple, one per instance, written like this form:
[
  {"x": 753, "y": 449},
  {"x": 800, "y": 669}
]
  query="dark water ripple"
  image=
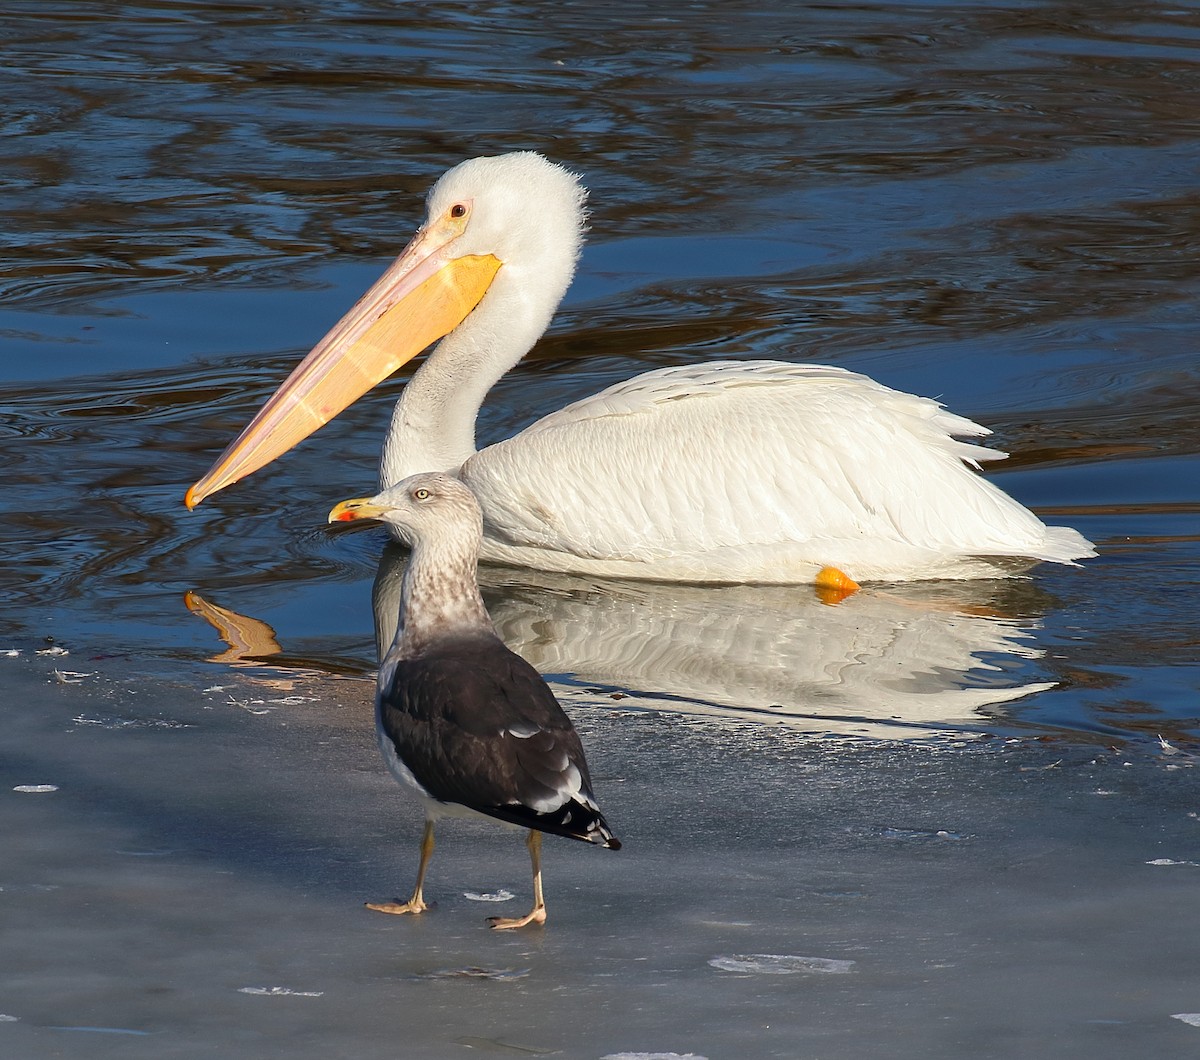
[{"x": 993, "y": 205}]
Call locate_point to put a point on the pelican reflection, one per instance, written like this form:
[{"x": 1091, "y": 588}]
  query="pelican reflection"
[
  {"x": 886, "y": 661},
  {"x": 894, "y": 661}
]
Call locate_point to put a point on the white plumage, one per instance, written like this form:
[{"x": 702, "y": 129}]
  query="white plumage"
[
  {"x": 750, "y": 471},
  {"x": 755, "y": 471}
]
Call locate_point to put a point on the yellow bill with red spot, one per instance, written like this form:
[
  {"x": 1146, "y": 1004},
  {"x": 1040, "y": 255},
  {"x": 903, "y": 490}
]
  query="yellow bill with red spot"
[{"x": 355, "y": 508}]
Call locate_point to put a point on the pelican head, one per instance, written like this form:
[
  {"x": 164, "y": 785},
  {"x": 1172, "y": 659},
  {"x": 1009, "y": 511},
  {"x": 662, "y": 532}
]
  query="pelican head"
[{"x": 500, "y": 241}]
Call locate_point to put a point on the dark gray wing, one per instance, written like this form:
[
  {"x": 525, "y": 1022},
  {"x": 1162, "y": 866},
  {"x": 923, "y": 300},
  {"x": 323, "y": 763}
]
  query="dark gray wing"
[{"x": 476, "y": 725}]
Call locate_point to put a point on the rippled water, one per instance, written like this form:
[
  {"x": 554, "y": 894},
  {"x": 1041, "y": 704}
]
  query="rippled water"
[{"x": 995, "y": 205}]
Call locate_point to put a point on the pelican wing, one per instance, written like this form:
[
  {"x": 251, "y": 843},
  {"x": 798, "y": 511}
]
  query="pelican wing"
[{"x": 755, "y": 470}]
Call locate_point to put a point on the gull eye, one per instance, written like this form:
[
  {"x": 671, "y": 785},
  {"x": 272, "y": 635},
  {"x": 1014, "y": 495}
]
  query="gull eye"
[
  {"x": 458, "y": 210},
  {"x": 421, "y": 494}
]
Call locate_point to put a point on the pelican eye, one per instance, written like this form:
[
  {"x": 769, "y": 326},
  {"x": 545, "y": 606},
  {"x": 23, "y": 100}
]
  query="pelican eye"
[
  {"x": 458, "y": 210},
  {"x": 421, "y": 494}
]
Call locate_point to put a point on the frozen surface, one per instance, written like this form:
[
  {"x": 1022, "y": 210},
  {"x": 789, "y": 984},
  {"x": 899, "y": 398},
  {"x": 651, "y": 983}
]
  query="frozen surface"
[
  {"x": 933, "y": 821},
  {"x": 193, "y": 885}
]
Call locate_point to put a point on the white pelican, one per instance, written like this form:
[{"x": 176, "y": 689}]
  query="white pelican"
[
  {"x": 463, "y": 722},
  {"x": 727, "y": 471}
]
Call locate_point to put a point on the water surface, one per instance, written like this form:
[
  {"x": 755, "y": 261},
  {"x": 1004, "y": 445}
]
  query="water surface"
[{"x": 994, "y": 205}]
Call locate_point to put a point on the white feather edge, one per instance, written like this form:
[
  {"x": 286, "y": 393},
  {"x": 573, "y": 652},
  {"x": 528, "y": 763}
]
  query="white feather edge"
[{"x": 756, "y": 471}]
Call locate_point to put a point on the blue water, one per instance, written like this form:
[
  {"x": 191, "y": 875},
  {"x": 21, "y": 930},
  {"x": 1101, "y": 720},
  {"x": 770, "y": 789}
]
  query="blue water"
[{"x": 991, "y": 205}]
